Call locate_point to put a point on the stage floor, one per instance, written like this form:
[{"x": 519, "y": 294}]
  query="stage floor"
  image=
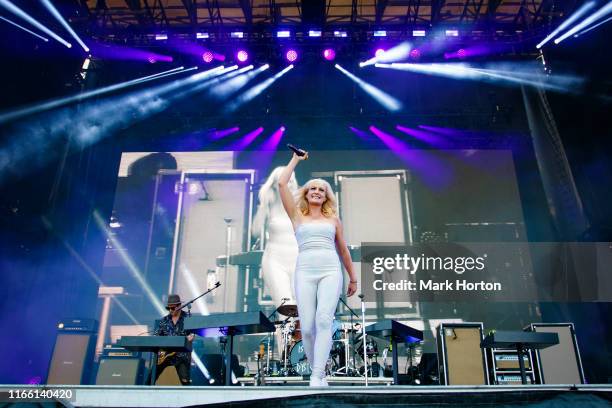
[{"x": 345, "y": 396}]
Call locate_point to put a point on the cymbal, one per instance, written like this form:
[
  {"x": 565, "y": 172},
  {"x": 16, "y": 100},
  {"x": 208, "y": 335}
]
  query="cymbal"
[{"x": 288, "y": 310}]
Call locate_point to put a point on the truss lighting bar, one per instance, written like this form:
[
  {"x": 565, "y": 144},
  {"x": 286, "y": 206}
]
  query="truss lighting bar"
[
  {"x": 202, "y": 36},
  {"x": 237, "y": 34},
  {"x": 314, "y": 33},
  {"x": 160, "y": 37},
  {"x": 380, "y": 33},
  {"x": 340, "y": 34},
  {"x": 452, "y": 33},
  {"x": 283, "y": 34},
  {"x": 418, "y": 33}
]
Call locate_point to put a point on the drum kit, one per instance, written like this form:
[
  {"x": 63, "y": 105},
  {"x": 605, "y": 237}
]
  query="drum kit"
[{"x": 346, "y": 356}]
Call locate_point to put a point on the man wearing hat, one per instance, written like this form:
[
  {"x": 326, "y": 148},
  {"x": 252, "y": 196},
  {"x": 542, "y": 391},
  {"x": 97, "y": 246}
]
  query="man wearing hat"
[{"x": 172, "y": 325}]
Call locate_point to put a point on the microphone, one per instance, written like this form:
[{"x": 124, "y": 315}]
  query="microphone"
[{"x": 299, "y": 152}]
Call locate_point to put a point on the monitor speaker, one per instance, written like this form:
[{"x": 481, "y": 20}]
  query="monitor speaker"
[{"x": 461, "y": 360}]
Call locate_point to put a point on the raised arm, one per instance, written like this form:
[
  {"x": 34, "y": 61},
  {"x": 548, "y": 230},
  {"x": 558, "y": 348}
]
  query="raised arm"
[
  {"x": 283, "y": 187},
  {"x": 345, "y": 257}
]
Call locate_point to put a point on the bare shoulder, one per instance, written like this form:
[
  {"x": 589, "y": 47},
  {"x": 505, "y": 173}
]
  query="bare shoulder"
[{"x": 336, "y": 221}]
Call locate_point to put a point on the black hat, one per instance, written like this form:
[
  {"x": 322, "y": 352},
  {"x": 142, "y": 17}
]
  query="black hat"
[{"x": 173, "y": 299}]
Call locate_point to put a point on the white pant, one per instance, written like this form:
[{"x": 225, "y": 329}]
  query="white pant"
[{"x": 317, "y": 298}]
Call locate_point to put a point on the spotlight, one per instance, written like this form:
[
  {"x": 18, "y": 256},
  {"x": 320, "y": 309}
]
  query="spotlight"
[
  {"x": 461, "y": 53},
  {"x": 242, "y": 56},
  {"x": 237, "y": 34},
  {"x": 452, "y": 33},
  {"x": 201, "y": 36},
  {"x": 291, "y": 56},
  {"x": 208, "y": 57},
  {"x": 380, "y": 33},
  {"x": 25, "y": 16},
  {"x": 314, "y": 33},
  {"x": 415, "y": 54},
  {"x": 283, "y": 34},
  {"x": 418, "y": 33},
  {"x": 340, "y": 34},
  {"x": 581, "y": 11},
  {"x": 64, "y": 23},
  {"x": 24, "y": 29},
  {"x": 602, "y": 12},
  {"x": 151, "y": 60},
  {"x": 160, "y": 37},
  {"x": 282, "y": 128},
  {"x": 379, "y": 53},
  {"x": 329, "y": 54}
]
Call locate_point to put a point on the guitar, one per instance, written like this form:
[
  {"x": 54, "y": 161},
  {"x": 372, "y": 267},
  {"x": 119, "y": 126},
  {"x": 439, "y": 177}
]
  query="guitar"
[{"x": 163, "y": 356}]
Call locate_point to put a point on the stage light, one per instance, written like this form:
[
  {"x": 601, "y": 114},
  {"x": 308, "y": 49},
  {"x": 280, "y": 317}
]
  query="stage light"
[
  {"x": 208, "y": 57},
  {"x": 503, "y": 73},
  {"x": 329, "y": 54},
  {"x": 282, "y": 128},
  {"x": 602, "y": 12},
  {"x": 461, "y": 53},
  {"x": 397, "y": 53},
  {"x": 581, "y": 11},
  {"x": 380, "y": 33},
  {"x": 201, "y": 36},
  {"x": 452, "y": 33},
  {"x": 415, "y": 54},
  {"x": 291, "y": 55},
  {"x": 152, "y": 60},
  {"x": 161, "y": 37},
  {"x": 25, "y": 16},
  {"x": 418, "y": 33},
  {"x": 231, "y": 86},
  {"x": 242, "y": 56},
  {"x": 64, "y": 23},
  {"x": 237, "y": 34},
  {"x": 256, "y": 90},
  {"x": 340, "y": 34},
  {"x": 593, "y": 27},
  {"x": 86, "y": 63},
  {"x": 283, "y": 34},
  {"x": 85, "y": 95},
  {"x": 314, "y": 33},
  {"x": 386, "y": 100},
  {"x": 245, "y": 140},
  {"x": 24, "y": 29}
]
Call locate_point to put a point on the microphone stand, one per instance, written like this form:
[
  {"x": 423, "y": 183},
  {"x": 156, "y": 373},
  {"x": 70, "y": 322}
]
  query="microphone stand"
[
  {"x": 188, "y": 304},
  {"x": 352, "y": 335},
  {"x": 363, "y": 337}
]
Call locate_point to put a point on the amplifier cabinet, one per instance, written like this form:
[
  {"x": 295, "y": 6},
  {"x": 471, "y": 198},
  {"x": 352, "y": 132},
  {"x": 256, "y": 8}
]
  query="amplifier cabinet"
[
  {"x": 461, "y": 360},
  {"x": 561, "y": 363},
  {"x": 72, "y": 359},
  {"x": 119, "y": 371}
]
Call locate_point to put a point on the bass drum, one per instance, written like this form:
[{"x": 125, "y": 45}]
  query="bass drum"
[{"x": 299, "y": 362}]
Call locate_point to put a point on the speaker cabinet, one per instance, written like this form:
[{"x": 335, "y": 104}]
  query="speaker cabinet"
[
  {"x": 72, "y": 359},
  {"x": 119, "y": 371},
  {"x": 561, "y": 363},
  {"x": 461, "y": 360}
]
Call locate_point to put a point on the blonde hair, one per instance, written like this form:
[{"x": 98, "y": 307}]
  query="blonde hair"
[{"x": 330, "y": 205}]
